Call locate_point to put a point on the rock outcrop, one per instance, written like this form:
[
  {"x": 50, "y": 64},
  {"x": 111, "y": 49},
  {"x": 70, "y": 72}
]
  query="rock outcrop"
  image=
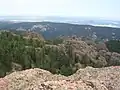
[
  {"x": 84, "y": 79},
  {"x": 95, "y": 55},
  {"x": 33, "y": 35}
]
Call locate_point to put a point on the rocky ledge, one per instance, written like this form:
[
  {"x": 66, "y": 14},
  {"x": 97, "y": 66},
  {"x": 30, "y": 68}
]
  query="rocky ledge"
[{"x": 84, "y": 79}]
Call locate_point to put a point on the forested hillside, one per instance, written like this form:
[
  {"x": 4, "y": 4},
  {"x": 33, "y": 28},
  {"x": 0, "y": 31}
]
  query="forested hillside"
[
  {"x": 113, "y": 45},
  {"x": 60, "y": 56},
  {"x": 19, "y": 53}
]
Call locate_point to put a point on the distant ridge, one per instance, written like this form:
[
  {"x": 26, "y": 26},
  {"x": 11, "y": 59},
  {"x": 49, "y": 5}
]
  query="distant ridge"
[
  {"x": 50, "y": 30},
  {"x": 73, "y": 20}
]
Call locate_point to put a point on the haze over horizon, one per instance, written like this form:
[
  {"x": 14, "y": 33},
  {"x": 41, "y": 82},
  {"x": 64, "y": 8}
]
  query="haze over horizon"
[{"x": 108, "y": 9}]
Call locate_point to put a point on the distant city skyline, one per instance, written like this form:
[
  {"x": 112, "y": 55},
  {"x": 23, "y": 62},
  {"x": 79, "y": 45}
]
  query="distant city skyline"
[{"x": 107, "y": 9}]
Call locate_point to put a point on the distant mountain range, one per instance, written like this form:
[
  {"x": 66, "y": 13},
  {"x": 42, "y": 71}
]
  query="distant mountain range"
[
  {"x": 72, "y": 20},
  {"x": 52, "y": 30}
]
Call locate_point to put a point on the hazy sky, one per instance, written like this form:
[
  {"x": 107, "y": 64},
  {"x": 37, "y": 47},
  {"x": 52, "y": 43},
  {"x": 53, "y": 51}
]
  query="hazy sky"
[{"x": 91, "y": 8}]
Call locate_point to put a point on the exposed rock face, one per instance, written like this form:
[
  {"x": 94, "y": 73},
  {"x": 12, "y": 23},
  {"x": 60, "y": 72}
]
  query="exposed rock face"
[
  {"x": 101, "y": 46},
  {"x": 33, "y": 35},
  {"x": 108, "y": 77},
  {"x": 95, "y": 55},
  {"x": 87, "y": 54},
  {"x": 31, "y": 79},
  {"x": 84, "y": 79}
]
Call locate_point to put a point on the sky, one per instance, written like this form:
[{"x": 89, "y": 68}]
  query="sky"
[{"x": 86, "y": 8}]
